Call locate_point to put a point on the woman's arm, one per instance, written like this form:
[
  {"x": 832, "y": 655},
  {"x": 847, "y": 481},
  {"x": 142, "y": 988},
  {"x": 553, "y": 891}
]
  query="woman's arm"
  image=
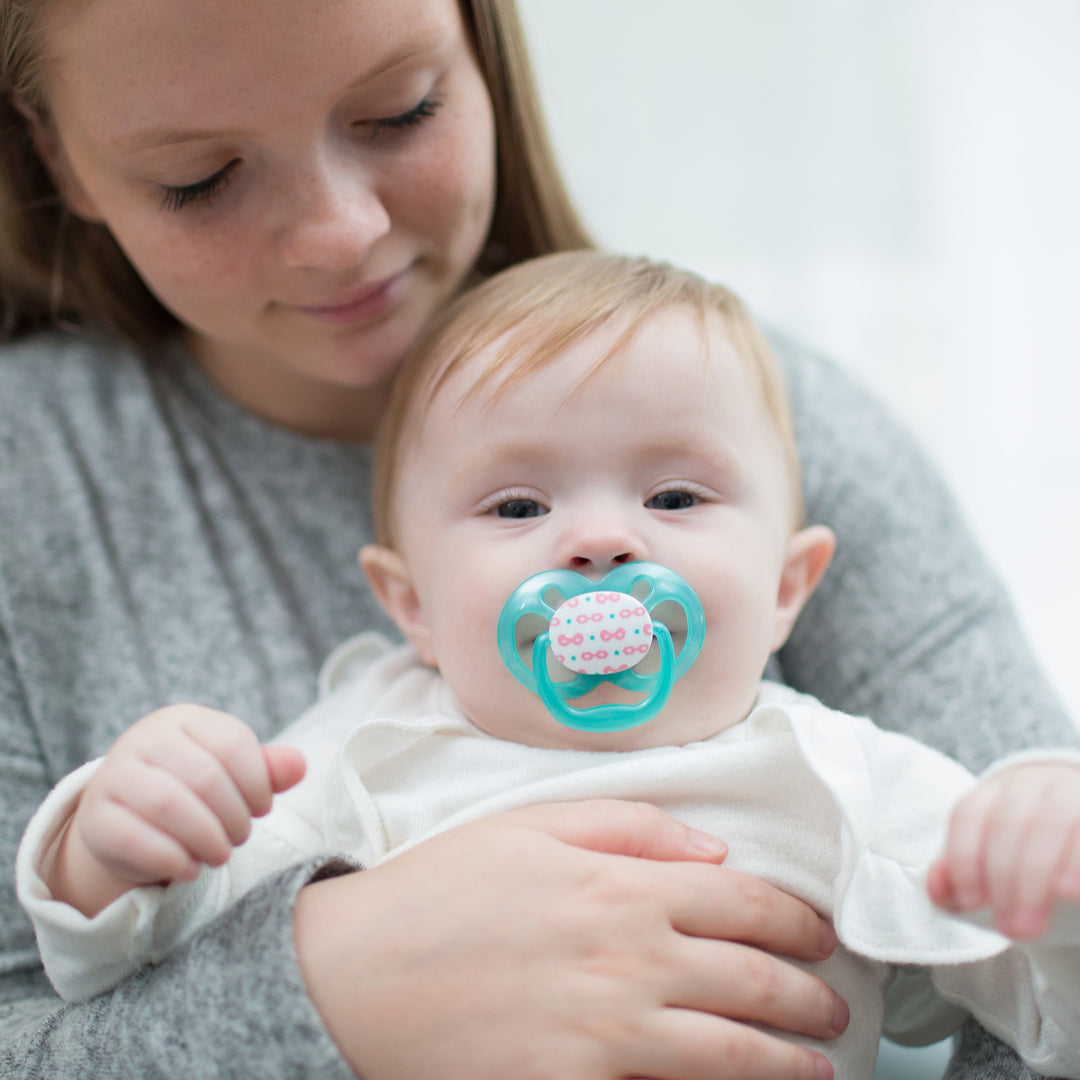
[
  {"x": 239, "y": 975},
  {"x": 397, "y": 958},
  {"x": 909, "y": 627}
]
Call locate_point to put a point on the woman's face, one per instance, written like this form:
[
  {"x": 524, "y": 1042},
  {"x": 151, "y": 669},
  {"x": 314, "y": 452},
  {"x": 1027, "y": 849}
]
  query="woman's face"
[{"x": 303, "y": 183}]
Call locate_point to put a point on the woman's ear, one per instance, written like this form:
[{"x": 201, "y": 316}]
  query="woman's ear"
[
  {"x": 52, "y": 153},
  {"x": 808, "y": 555},
  {"x": 390, "y": 581}
]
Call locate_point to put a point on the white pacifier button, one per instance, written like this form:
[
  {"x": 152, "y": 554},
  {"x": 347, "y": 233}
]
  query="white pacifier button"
[{"x": 599, "y": 633}]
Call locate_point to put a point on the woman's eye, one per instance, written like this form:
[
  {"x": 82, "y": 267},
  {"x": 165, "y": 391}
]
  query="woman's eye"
[
  {"x": 176, "y": 198},
  {"x": 414, "y": 117},
  {"x": 520, "y": 508},
  {"x": 672, "y": 500}
]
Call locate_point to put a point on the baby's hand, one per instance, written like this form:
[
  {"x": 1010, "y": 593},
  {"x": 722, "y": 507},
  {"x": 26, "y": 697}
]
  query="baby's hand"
[
  {"x": 1013, "y": 845},
  {"x": 177, "y": 790}
]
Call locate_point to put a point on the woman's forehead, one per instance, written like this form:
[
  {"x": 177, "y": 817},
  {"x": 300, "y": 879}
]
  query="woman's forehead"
[{"x": 158, "y": 65}]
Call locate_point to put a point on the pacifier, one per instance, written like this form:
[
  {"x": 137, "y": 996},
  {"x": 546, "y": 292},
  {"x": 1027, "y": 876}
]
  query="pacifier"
[{"x": 601, "y": 632}]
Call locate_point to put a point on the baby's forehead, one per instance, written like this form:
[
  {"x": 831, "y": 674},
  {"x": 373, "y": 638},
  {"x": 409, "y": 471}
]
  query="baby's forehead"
[{"x": 507, "y": 364}]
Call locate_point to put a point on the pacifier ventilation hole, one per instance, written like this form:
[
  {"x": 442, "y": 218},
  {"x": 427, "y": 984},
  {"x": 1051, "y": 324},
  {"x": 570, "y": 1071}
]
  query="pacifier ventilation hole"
[
  {"x": 527, "y": 629},
  {"x": 673, "y": 615},
  {"x": 552, "y": 597}
]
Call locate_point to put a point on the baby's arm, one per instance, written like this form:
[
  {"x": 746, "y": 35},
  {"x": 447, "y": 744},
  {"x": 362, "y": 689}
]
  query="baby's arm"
[
  {"x": 175, "y": 792},
  {"x": 1014, "y": 846}
]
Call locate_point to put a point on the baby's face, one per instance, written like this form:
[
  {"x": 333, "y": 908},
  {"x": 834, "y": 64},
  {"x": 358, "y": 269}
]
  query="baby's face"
[{"x": 664, "y": 454}]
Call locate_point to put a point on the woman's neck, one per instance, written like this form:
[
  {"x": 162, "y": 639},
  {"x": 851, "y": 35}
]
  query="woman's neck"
[{"x": 304, "y": 404}]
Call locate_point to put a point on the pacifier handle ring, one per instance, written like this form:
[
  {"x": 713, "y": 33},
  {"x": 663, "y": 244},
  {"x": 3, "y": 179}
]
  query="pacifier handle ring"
[{"x": 612, "y": 717}]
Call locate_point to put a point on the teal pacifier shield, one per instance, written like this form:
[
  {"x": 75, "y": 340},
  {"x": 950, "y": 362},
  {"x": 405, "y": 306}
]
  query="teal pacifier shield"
[{"x": 600, "y": 632}]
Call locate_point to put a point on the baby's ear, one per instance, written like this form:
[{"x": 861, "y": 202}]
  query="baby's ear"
[
  {"x": 808, "y": 555},
  {"x": 390, "y": 581}
]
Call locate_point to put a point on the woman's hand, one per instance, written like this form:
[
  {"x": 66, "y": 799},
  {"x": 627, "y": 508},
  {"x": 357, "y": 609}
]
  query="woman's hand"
[
  {"x": 586, "y": 940},
  {"x": 176, "y": 791}
]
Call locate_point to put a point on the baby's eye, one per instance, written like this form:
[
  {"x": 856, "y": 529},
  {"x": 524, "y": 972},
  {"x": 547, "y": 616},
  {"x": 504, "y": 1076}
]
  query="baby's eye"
[
  {"x": 672, "y": 500},
  {"x": 520, "y": 508}
]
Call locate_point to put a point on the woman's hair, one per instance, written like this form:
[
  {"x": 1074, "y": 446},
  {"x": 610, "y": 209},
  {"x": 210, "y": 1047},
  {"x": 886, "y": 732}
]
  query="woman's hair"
[
  {"x": 57, "y": 269},
  {"x": 526, "y": 317}
]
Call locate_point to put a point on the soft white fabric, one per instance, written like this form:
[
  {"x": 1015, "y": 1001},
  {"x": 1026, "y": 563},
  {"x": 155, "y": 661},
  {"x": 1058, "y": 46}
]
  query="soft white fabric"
[{"x": 825, "y": 805}]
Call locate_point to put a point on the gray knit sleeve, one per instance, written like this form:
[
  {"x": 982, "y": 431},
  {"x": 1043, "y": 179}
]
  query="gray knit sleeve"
[
  {"x": 910, "y": 626},
  {"x": 231, "y": 1003}
]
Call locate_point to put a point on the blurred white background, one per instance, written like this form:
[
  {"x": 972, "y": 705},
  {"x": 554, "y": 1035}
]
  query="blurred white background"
[{"x": 898, "y": 183}]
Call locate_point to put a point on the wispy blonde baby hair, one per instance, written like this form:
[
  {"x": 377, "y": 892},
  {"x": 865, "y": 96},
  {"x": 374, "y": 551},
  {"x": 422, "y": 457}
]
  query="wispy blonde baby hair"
[{"x": 525, "y": 317}]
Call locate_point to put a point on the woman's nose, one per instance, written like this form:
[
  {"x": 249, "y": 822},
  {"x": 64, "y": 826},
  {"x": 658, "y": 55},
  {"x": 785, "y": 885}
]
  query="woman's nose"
[{"x": 335, "y": 218}]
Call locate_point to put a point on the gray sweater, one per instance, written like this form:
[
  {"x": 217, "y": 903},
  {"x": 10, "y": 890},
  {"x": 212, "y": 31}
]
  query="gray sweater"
[{"x": 158, "y": 544}]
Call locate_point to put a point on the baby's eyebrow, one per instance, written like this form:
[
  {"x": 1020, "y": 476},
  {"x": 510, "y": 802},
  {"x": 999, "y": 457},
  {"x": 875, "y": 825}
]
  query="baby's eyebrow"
[{"x": 504, "y": 452}]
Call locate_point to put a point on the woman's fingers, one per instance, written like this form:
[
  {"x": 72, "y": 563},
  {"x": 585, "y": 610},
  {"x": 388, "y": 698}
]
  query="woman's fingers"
[
  {"x": 679, "y": 1044},
  {"x": 733, "y": 906},
  {"x": 743, "y": 983},
  {"x": 623, "y": 828},
  {"x": 553, "y": 950}
]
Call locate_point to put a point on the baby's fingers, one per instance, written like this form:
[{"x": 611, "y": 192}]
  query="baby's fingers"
[
  {"x": 208, "y": 757},
  {"x": 961, "y": 882},
  {"x": 237, "y": 748},
  {"x": 1013, "y": 845},
  {"x": 285, "y": 765},
  {"x": 135, "y": 850},
  {"x": 1069, "y": 875},
  {"x": 150, "y": 825},
  {"x": 1024, "y": 890}
]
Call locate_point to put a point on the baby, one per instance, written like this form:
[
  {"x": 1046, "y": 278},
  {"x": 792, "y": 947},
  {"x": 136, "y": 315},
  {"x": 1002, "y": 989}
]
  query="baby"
[{"x": 584, "y": 412}]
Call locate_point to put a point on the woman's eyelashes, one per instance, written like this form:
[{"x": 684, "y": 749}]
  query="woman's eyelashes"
[
  {"x": 411, "y": 118},
  {"x": 175, "y": 198}
]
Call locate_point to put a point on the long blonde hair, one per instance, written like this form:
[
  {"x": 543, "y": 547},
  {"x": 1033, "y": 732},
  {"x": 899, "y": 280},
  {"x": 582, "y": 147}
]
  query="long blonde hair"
[{"x": 57, "y": 269}]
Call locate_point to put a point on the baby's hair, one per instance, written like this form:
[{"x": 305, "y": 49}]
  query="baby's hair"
[{"x": 525, "y": 317}]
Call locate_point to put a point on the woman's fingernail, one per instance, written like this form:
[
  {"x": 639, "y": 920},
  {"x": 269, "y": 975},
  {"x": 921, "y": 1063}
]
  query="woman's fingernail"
[
  {"x": 710, "y": 845},
  {"x": 841, "y": 1015},
  {"x": 828, "y": 938}
]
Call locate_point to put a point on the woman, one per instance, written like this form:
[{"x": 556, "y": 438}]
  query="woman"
[{"x": 248, "y": 211}]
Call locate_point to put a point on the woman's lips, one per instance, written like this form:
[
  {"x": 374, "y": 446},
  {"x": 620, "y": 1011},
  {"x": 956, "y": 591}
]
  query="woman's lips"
[{"x": 362, "y": 304}]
